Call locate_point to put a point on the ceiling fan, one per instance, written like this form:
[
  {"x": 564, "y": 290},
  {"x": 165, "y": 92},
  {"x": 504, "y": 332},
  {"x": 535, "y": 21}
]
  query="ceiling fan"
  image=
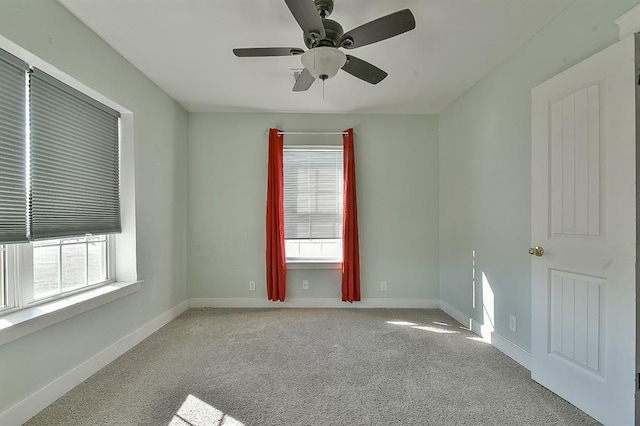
[{"x": 323, "y": 37}]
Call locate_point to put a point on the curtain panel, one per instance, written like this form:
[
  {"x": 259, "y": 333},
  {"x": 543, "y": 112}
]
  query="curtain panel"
[
  {"x": 276, "y": 259},
  {"x": 350, "y": 239}
]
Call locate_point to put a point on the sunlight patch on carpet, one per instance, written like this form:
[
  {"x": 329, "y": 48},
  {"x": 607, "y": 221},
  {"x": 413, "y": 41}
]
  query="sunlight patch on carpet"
[
  {"x": 195, "y": 412},
  {"x": 434, "y": 329},
  {"x": 478, "y": 339},
  {"x": 401, "y": 323},
  {"x": 430, "y": 328}
]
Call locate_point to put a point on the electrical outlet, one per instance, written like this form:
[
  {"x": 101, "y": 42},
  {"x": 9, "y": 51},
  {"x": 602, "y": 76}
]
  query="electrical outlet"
[
  {"x": 252, "y": 286},
  {"x": 383, "y": 286},
  {"x": 513, "y": 323},
  {"x": 305, "y": 284}
]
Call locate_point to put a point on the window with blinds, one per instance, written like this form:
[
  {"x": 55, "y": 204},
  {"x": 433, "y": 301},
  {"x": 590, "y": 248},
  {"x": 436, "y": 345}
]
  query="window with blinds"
[
  {"x": 313, "y": 202},
  {"x": 62, "y": 177},
  {"x": 59, "y": 186},
  {"x": 13, "y": 201},
  {"x": 74, "y": 162}
]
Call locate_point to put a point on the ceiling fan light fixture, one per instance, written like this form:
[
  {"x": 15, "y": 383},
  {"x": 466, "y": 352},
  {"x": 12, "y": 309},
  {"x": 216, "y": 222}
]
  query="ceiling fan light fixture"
[{"x": 323, "y": 62}]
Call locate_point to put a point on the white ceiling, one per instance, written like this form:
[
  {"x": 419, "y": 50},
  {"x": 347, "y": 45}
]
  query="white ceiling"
[{"x": 184, "y": 46}]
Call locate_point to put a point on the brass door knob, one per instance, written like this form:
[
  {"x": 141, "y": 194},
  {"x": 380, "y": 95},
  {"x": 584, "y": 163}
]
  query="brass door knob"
[{"x": 536, "y": 251}]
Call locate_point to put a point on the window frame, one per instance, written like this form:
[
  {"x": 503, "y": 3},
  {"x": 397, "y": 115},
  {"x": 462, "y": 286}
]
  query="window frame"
[
  {"x": 19, "y": 277},
  {"x": 300, "y": 262},
  {"x": 12, "y": 276},
  {"x": 7, "y": 286},
  {"x": 320, "y": 259}
]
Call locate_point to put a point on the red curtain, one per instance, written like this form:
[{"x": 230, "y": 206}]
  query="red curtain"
[
  {"x": 276, "y": 260},
  {"x": 350, "y": 240}
]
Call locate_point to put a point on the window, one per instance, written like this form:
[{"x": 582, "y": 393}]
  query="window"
[
  {"x": 45, "y": 270},
  {"x": 313, "y": 202},
  {"x": 3, "y": 278},
  {"x": 68, "y": 264},
  {"x": 59, "y": 187}
]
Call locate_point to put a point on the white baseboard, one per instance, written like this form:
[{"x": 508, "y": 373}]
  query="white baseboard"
[
  {"x": 512, "y": 350},
  {"x": 39, "y": 400},
  {"x": 313, "y": 303},
  {"x": 462, "y": 318},
  {"x": 507, "y": 347}
]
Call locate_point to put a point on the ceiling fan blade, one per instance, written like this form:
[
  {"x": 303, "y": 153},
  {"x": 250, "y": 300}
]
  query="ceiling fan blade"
[
  {"x": 252, "y": 52},
  {"x": 379, "y": 29},
  {"x": 364, "y": 70},
  {"x": 307, "y": 16},
  {"x": 304, "y": 81}
]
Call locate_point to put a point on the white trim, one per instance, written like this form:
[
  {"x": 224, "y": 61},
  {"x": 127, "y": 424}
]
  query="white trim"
[
  {"x": 293, "y": 264},
  {"x": 14, "y": 296},
  {"x": 462, "y": 318},
  {"x": 505, "y": 346},
  {"x": 312, "y": 303},
  {"x": 20, "y": 323},
  {"x": 125, "y": 259},
  {"x": 629, "y": 23},
  {"x": 35, "y": 61},
  {"x": 39, "y": 400},
  {"x": 512, "y": 350}
]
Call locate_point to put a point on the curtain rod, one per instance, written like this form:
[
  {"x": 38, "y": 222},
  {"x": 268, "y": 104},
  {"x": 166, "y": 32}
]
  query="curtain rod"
[{"x": 309, "y": 133}]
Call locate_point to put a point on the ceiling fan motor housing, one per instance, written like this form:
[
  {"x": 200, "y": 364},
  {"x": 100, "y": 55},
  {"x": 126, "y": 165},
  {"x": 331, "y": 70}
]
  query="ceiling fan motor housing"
[{"x": 333, "y": 32}]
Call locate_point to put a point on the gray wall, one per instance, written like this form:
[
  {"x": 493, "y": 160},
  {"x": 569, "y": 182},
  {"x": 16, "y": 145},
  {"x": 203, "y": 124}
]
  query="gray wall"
[
  {"x": 485, "y": 164},
  {"x": 47, "y": 30},
  {"x": 397, "y": 176}
]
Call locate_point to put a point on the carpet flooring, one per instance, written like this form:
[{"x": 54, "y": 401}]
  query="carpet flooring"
[{"x": 312, "y": 367}]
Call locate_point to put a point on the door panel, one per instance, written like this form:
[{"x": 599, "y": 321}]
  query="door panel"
[
  {"x": 583, "y": 214},
  {"x": 575, "y": 163},
  {"x": 574, "y": 320}
]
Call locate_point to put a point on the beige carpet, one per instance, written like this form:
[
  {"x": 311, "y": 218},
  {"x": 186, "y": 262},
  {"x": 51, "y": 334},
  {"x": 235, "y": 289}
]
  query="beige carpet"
[{"x": 312, "y": 367}]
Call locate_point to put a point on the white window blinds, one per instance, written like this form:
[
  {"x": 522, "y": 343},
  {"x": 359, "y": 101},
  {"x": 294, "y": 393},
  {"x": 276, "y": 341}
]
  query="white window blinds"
[
  {"x": 313, "y": 192},
  {"x": 13, "y": 218},
  {"x": 74, "y": 164}
]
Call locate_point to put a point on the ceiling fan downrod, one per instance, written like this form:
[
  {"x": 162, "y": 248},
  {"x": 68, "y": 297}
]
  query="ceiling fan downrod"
[{"x": 325, "y": 7}]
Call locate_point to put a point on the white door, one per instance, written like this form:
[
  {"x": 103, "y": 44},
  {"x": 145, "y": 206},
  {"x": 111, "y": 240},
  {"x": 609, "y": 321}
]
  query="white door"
[{"x": 583, "y": 216}]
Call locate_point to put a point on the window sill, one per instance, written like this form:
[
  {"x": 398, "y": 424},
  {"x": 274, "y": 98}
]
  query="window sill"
[
  {"x": 26, "y": 321},
  {"x": 313, "y": 264}
]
